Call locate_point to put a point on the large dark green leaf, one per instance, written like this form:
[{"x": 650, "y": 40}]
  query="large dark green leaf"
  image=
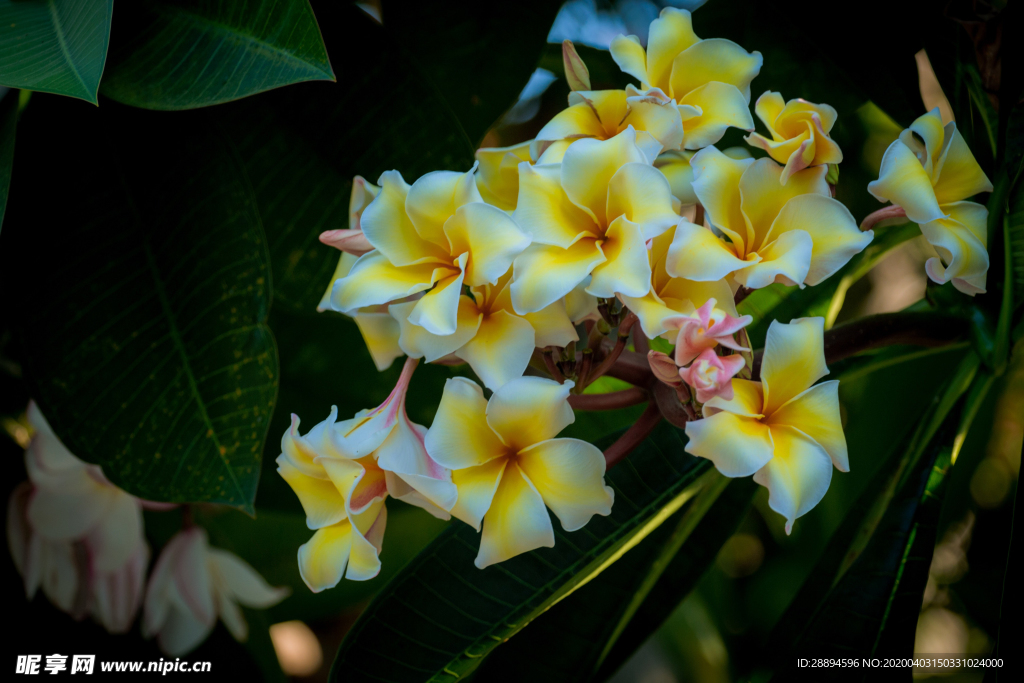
[
  {"x": 56, "y": 46},
  {"x": 403, "y": 106},
  {"x": 877, "y": 563},
  {"x": 183, "y": 54},
  {"x": 589, "y": 622},
  {"x": 143, "y": 335},
  {"x": 8, "y": 124},
  {"x": 1014, "y": 237},
  {"x": 441, "y": 614}
]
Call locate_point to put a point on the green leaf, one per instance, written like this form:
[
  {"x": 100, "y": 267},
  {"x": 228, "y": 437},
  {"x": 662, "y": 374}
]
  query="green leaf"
[
  {"x": 441, "y": 615},
  {"x": 56, "y": 46},
  {"x": 194, "y": 53},
  {"x": 592, "y": 619},
  {"x": 8, "y": 124},
  {"x": 144, "y": 342},
  {"x": 876, "y": 565},
  {"x": 316, "y": 137}
]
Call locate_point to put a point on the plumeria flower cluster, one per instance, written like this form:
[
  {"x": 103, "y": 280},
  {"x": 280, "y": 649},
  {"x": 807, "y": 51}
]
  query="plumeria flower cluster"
[
  {"x": 564, "y": 258},
  {"x": 80, "y": 538}
]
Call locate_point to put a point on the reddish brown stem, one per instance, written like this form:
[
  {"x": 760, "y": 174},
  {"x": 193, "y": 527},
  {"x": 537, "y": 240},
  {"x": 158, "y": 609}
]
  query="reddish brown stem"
[
  {"x": 742, "y": 293},
  {"x": 553, "y": 370},
  {"x": 610, "y": 401},
  {"x": 633, "y": 436},
  {"x": 620, "y": 346},
  {"x": 633, "y": 368}
]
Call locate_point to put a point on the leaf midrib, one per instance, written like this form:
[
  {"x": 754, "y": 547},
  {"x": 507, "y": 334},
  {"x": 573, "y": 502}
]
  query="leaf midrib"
[{"x": 59, "y": 32}]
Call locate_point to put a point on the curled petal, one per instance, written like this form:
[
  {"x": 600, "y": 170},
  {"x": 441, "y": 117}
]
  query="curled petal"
[
  {"x": 960, "y": 175},
  {"x": 764, "y": 196},
  {"x": 676, "y": 169},
  {"x": 717, "y": 185},
  {"x": 320, "y": 499},
  {"x": 738, "y": 446},
  {"x": 711, "y": 375},
  {"x": 435, "y": 197},
  {"x": 797, "y": 477},
  {"x": 903, "y": 181},
  {"x": 380, "y": 332},
  {"x": 490, "y": 238},
  {"x": 552, "y": 325},
  {"x": 497, "y": 176},
  {"x": 374, "y": 280},
  {"x": 629, "y": 54},
  {"x": 417, "y": 342},
  {"x": 657, "y": 116},
  {"x": 386, "y": 226},
  {"x": 960, "y": 242},
  {"x": 438, "y": 310},
  {"x": 477, "y": 486},
  {"x": 786, "y": 260}
]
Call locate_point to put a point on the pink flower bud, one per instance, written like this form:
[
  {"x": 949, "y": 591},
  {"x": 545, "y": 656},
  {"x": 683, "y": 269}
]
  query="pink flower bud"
[
  {"x": 711, "y": 375},
  {"x": 707, "y": 330},
  {"x": 664, "y": 368}
]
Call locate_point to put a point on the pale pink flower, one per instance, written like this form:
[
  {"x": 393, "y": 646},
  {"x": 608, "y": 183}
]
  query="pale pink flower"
[
  {"x": 711, "y": 375},
  {"x": 708, "y": 328}
]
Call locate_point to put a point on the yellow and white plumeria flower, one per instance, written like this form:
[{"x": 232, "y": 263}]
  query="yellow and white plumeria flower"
[
  {"x": 76, "y": 535},
  {"x": 603, "y": 114},
  {"x": 785, "y": 430},
  {"x": 794, "y": 233},
  {"x": 495, "y": 341},
  {"x": 590, "y": 215},
  {"x": 342, "y": 472},
  {"x": 509, "y": 467},
  {"x": 671, "y": 297},
  {"x": 799, "y": 131},
  {"x": 435, "y": 235},
  {"x": 929, "y": 172},
  {"x": 708, "y": 79},
  {"x": 192, "y": 585}
]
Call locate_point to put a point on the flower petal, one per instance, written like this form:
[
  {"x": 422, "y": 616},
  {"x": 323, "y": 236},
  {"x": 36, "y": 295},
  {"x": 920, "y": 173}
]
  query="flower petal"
[
  {"x": 324, "y": 557},
  {"x": 434, "y": 198},
  {"x": 588, "y": 167},
  {"x": 552, "y": 325},
  {"x": 642, "y": 195},
  {"x": 380, "y": 334},
  {"x": 660, "y": 120},
  {"x": 417, "y": 342},
  {"x": 460, "y": 436},
  {"x": 794, "y": 359},
  {"x": 374, "y": 280},
  {"x": 715, "y": 59},
  {"x": 833, "y": 230},
  {"x": 717, "y": 184},
  {"x": 670, "y": 34},
  {"x": 544, "y": 211},
  {"x": 242, "y": 582},
  {"x": 497, "y": 177},
  {"x": 517, "y": 521},
  {"x": 320, "y": 498},
  {"x": 490, "y": 237},
  {"x": 501, "y": 348},
  {"x": 629, "y": 54},
  {"x": 438, "y": 310},
  {"x": 797, "y": 478},
  {"x": 543, "y": 274},
  {"x": 118, "y": 537},
  {"x": 477, "y": 486},
  {"x": 404, "y": 453},
  {"x": 764, "y": 195},
  {"x": 626, "y": 267},
  {"x": 747, "y": 400},
  {"x": 569, "y": 475},
  {"x": 387, "y": 226},
  {"x": 676, "y": 169},
  {"x": 529, "y": 410},
  {"x": 815, "y": 413},
  {"x": 722, "y": 106},
  {"x": 960, "y": 176},
  {"x": 903, "y": 181},
  {"x": 698, "y": 254},
  {"x": 738, "y": 446},
  {"x": 577, "y": 121}
]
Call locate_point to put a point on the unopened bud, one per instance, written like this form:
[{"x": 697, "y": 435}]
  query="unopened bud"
[{"x": 576, "y": 72}]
